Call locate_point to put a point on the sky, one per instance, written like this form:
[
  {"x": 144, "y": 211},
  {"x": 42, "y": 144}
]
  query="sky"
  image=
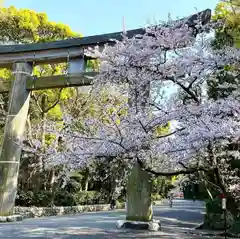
[{"x": 92, "y": 17}]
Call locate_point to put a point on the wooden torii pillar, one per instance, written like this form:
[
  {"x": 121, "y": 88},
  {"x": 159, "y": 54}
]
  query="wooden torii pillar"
[
  {"x": 14, "y": 129},
  {"x": 19, "y": 58}
]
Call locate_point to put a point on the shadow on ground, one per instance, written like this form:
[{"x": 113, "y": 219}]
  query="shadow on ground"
[
  {"x": 90, "y": 233},
  {"x": 175, "y": 221}
]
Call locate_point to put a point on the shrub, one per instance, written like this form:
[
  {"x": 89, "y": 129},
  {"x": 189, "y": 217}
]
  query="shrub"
[
  {"x": 61, "y": 198},
  {"x": 214, "y": 206},
  {"x": 30, "y": 198},
  {"x": 156, "y": 197},
  {"x": 42, "y": 199},
  {"x": 64, "y": 198},
  {"x": 89, "y": 198},
  {"x": 24, "y": 198}
]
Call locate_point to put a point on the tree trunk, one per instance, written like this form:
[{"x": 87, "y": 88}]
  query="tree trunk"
[
  {"x": 52, "y": 179},
  {"x": 86, "y": 184},
  {"x": 41, "y": 178},
  {"x": 12, "y": 139},
  {"x": 139, "y": 205},
  {"x": 43, "y": 127}
]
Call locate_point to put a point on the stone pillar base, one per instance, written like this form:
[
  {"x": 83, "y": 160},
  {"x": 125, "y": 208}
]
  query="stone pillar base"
[
  {"x": 11, "y": 218},
  {"x": 153, "y": 225}
]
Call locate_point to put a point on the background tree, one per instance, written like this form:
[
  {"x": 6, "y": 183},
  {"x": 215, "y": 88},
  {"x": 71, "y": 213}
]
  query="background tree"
[
  {"x": 221, "y": 85},
  {"x": 18, "y": 26}
]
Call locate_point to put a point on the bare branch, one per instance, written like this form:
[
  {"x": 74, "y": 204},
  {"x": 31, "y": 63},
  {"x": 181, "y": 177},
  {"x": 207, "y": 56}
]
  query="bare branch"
[
  {"x": 173, "y": 173},
  {"x": 55, "y": 103}
]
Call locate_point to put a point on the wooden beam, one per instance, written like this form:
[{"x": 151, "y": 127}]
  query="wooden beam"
[
  {"x": 57, "y": 51},
  {"x": 60, "y": 81},
  {"x": 12, "y": 139},
  {"x": 40, "y": 57},
  {"x": 76, "y": 65},
  {"x": 51, "y": 82}
]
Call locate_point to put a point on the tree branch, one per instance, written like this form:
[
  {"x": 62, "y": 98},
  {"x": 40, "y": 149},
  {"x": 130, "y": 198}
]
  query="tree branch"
[
  {"x": 173, "y": 173},
  {"x": 55, "y": 103},
  {"x": 36, "y": 101}
]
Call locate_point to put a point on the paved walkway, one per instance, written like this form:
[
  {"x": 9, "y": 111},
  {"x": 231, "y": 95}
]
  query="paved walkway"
[{"x": 177, "y": 222}]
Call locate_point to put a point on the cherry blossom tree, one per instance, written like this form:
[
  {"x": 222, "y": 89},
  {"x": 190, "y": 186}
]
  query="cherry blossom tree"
[
  {"x": 163, "y": 75},
  {"x": 141, "y": 68}
]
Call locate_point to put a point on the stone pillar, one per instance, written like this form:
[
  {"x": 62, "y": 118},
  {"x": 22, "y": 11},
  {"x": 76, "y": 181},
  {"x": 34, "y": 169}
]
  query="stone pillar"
[
  {"x": 139, "y": 187},
  {"x": 139, "y": 204}
]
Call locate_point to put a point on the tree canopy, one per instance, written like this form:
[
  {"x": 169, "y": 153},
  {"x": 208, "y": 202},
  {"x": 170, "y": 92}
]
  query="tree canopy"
[{"x": 28, "y": 26}]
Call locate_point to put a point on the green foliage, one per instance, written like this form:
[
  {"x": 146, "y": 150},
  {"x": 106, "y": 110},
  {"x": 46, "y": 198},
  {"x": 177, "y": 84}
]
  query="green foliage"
[
  {"x": 62, "y": 198},
  {"x": 162, "y": 130},
  {"x": 156, "y": 197},
  {"x": 214, "y": 206},
  {"x": 19, "y": 26},
  {"x": 196, "y": 191},
  {"x": 216, "y": 83},
  {"x": 229, "y": 33},
  {"x": 24, "y": 198},
  {"x": 49, "y": 138},
  {"x": 29, "y": 198},
  {"x": 161, "y": 186},
  {"x": 236, "y": 226},
  {"x": 226, "y": 35},
  {"x": 93, "y": 65},
  {"x": 89, "y": 198},
  {"x": 28, "y": 26}
]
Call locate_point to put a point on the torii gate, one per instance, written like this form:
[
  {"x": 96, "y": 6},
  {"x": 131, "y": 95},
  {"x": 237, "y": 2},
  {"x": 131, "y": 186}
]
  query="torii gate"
[{"x": 20, "y": 59}]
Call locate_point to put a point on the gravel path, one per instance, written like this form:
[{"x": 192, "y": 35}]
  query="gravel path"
[{"x": 177, "y": 222}]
